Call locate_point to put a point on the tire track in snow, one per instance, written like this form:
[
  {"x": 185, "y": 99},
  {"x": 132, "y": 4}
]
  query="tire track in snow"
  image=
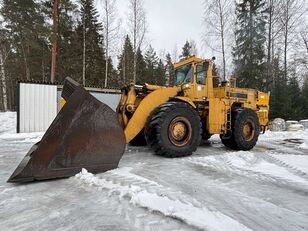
[
  {"x": 147, "y": 194},
  {"x": 259, "y": 166},
  {"x": 271, "y": 156},
  {"x": 124, "y": 176}
]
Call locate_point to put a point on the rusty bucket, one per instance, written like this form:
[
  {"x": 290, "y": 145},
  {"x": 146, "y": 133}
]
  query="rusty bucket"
[{"x": 85, "y": 134}]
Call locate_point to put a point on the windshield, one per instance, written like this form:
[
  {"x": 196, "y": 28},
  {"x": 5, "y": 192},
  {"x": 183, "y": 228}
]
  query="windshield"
[{"x": 183, "y": 74}]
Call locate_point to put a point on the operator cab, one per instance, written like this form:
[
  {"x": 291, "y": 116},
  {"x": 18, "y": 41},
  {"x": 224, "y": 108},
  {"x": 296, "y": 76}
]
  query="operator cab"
[
  {"x": 191, "y": 71},
  {"x": 195, "y": 78}
]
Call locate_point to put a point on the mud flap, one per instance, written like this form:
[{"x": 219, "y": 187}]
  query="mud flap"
[{"x": 85, "y": 134}]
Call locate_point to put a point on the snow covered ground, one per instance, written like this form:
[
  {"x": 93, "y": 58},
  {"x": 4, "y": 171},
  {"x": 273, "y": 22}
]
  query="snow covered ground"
[{"x": 215, "y": 189}]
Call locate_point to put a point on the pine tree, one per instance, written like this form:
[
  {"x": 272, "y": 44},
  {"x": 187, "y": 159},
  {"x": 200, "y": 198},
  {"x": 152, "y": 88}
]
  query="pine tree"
[
  {"x": 305, "y": 98},
  {"x": 250, "y": 38},
  {"x": 113, "y": 78},
  {"x": 28, "y": 36},
  {"x": 294, "y": 100},
  {"x": 26, "y": 43},
  {"x": 91, "y": 29},
  {"x": 169, "y": 70},
  {"x": 186, "y": 51},
  {"x": 160, "y": 74},
  {"x": 151, "y": 61},
  {"x": 141, "y": 68},
  {"x": 126, "y": 63},
  {"x": 66, "y": 53},
  {"x": 278, "y": 99}
]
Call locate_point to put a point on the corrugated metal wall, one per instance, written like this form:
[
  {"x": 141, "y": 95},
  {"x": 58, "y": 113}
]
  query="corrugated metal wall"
[
  {"x": 111, "y": 100},
  {"x": 39, "y": 104},
  {"x": 37, "y": 107}
]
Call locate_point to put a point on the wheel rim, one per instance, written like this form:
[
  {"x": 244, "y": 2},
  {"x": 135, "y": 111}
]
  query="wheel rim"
[
  {"x": 249, "y": 130},
  {"x": 180, "y": 131}
]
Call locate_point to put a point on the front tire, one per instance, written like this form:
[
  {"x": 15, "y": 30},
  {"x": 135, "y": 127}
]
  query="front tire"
[{"x": 174, "y": 130}]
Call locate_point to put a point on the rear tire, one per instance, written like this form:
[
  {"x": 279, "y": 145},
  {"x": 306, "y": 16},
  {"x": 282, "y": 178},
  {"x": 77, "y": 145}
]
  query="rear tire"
[
  {"x": 229, "y": 142},
  {"x": 174, "y": 130},
  {"x": 245, "y": 130}
]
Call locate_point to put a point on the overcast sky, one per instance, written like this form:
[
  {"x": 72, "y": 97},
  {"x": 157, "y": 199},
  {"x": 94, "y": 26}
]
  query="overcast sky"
[{"x": 170, "y": 22}]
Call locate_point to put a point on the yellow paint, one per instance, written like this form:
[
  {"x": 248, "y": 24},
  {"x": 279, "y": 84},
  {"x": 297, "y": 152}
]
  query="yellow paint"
[
  {"x": 263, "y": 99},
  {"x": 153, "y": 87},
  {"x": 192, "y": 59},
  {"x": 185, "y": 99},
  {"x": 216, "y": 118},
  {"x": 146, "y": 106},
  {"x": 62, "y": 102}
]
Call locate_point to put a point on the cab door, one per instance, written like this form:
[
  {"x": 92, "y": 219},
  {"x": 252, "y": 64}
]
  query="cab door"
[{"x": 201, "y": 75}]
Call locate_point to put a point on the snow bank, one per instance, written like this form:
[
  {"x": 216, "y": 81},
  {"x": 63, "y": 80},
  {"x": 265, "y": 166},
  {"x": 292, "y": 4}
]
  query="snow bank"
[
  {"x": 201, "y": 218},
  {"x": 284, "y": 135},
  {"x": 7, "y": 122},
  {"x": 8, "y": 130}
]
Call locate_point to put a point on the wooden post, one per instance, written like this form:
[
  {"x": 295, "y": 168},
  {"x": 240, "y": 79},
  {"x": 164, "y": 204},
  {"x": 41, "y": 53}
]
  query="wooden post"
[{"x": 54, "y": 40}]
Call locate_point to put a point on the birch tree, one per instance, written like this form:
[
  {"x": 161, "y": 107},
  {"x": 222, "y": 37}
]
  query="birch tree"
[
  {"x": 175, "y": 53},
  {"x": 217, "y": 20},
  {"x": 137, "y": 28},
  {"x": 3, "y": 57},
  {"x": 273, "y": 34},
  {"x": 4, "y": 54},
  {"x": 291, "y": 16},
  {"x": 111, "y": 28}
]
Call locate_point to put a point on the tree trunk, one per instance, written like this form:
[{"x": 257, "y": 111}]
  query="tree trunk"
[
  {"x": 286, "y": 34},
  {"x": 269, "y": 57},
  {"x": 3, "y": 82},
  {"x": 25, "y": 62},
  {"x": 54, "y": 41},
  {"x": 107, "y": 69},
  {"x": 135, "y": 41},
  {"x": 222, "y": 36},
  {"x": 285, "y": 53},
  {"x": 306, "y": 43},
  {"x": 107, "y": 44},
  {"x": 124, "y": 68},
  {"x": 84, "y": 53},
  {"x": 43, "y": 65}
]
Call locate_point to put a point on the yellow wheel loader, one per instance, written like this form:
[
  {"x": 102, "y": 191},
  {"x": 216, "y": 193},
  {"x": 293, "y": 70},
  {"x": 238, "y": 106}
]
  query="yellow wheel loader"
[{"x": 171, "y": 120}]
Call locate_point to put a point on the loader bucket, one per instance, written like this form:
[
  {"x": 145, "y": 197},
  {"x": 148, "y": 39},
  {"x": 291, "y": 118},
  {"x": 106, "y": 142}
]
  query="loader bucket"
[{"x": 85, "y": 134}]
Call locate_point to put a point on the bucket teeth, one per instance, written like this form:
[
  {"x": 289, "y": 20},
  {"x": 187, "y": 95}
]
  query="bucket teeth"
[{"x": 85, "y": 134}]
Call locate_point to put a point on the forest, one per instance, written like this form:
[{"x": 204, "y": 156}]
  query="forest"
[{"x": 263, "y": 43}]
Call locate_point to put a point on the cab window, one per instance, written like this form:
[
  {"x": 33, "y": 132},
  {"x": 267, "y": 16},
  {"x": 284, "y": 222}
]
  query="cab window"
[
  {"x": 184, "y": 74},
  {"x": 201, "y": 70}
]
